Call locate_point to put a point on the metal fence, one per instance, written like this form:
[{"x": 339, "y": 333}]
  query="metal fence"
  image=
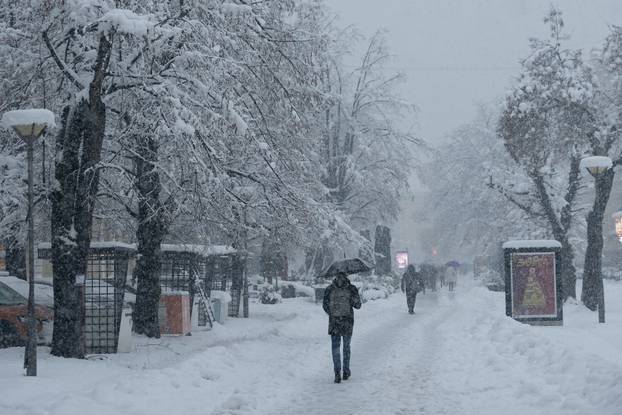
[{"x": 104, "y": 295}]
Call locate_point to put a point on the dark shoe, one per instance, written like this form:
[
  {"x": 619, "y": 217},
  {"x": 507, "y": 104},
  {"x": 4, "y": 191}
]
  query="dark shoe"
[
  {"x": 411, "y": 312},
  {"x": 337, "y": 378},
  {"x": 346, "y": 374}
]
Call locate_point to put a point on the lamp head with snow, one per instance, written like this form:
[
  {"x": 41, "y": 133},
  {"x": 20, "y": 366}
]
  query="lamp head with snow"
[
  {"x": 596, "y": 165},
  {"x": 28, "y": 123}
]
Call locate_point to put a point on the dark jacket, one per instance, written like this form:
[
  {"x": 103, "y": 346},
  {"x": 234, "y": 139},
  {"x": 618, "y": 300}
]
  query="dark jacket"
[
  {"x": 341, "y": 289},
  {"x": 412, "y": 282}
]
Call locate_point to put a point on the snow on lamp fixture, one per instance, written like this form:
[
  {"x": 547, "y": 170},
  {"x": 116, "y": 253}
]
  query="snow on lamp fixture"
[
  {"x": 596, "y": 165},
  {"x": 28, "y": 123}
]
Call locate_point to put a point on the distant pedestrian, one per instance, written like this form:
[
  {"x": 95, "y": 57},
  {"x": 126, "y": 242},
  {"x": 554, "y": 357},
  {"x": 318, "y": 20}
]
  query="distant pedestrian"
[
  {"x": 433, "y": 277},
  {"x": 340, "y": 299},
  {"x": 451, "y": 277},
  {"x": 412, "y": 283}
]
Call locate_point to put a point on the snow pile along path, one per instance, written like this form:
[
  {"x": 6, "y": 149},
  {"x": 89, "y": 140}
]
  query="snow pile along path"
[{"x": 496, "y": 365}]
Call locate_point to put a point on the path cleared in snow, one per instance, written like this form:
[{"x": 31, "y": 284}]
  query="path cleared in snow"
[
  {"x": 393, "y": 364},
  {"x": 458, "y": 355}
]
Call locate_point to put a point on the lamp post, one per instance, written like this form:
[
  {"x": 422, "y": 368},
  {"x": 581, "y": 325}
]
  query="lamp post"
[
  {"x": 597, "y": 167},
  {"x": 29, "y": 125}
]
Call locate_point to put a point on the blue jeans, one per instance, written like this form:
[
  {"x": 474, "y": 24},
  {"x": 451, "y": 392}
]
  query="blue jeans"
[{"x": 336, "y": 342}]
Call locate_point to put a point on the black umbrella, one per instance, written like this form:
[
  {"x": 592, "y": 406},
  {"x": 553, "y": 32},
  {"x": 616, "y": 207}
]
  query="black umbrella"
[{"x": 346, "y": 266}]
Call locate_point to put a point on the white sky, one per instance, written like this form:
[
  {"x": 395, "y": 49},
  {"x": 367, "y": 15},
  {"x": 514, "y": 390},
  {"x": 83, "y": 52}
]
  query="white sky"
[{"x": 457, "y": 53}]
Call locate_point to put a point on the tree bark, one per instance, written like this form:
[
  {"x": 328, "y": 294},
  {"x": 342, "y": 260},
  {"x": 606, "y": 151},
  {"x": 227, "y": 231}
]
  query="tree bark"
[
  {"x": 592, "y": 269},
  {"x": 66, "y": 338},
  {"x": 568, "y": 270},
  {"x": 382, "y": 249},
  {"x": 150, "y": 233},
  {"x": 79, "y": 145},
  {"x": 560, "y": 233}
]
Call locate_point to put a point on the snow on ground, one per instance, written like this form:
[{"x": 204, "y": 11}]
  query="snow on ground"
[{"x": 458, "y": 355}]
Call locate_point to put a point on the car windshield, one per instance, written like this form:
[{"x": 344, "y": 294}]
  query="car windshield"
[{"x": 9, "y": 296}]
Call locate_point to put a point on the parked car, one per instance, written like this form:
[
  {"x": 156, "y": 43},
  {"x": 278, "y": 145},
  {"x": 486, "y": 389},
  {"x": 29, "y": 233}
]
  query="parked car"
[{"x": 14, "y": 317}]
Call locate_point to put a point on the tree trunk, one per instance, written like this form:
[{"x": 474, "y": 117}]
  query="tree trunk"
[
  {"x": 559, "y": 228},
  {"x": 592, "y": 269},
  {"x": 79, "y": 146},
  {"x": 366, "y": 251},
  {"x": 382, "y": 249},
  {"x": 150, "y": 232},
  {"x": 568, "y": 270},
  {"x": 66, "y": 338}
]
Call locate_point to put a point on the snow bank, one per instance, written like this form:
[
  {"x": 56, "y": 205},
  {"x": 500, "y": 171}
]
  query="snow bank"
[
  {"x": 512, "y": 368},
  {"x": 458, "y": 354},
  {"x": 534, "y": 243},
  {"x": 12, "y": 119}
]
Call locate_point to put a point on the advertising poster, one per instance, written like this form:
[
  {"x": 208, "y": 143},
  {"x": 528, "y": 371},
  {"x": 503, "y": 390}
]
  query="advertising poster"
[
  {"x": 533, "y": 284},
  {"x": 2, "y": 258},
  {"x": 401, "y": 259}
]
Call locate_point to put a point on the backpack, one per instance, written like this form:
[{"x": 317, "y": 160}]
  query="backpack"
[
  {"x": 339, "y": 302},
  {"x": 411, "y": 283}
]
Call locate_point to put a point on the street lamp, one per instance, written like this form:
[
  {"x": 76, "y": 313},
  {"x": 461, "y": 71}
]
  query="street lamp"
[
  {"x": 29, "y": 125},
  {"x": 597, "y": 166}
]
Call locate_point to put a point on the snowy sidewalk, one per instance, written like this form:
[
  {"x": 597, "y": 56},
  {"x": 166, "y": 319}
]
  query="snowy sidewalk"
[
  {"x": 394, "y": 367},
  {"x": 458, "y": 355}
]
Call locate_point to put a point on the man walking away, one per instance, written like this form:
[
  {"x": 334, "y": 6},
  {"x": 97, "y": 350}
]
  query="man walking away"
[
  {"x": 451, "y": 277},
  {"x": 339, "y": 300},
  {"x": 412, "y": 283}
]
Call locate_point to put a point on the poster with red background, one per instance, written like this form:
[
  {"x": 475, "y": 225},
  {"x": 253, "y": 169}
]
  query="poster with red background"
[{"x": 533, "y": 284}]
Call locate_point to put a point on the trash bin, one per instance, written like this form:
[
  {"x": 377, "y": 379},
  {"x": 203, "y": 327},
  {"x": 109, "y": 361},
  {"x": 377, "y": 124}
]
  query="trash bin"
[
  {"x": 220, "y": 305},
  {"x": 174, "y": 313},
  {"x": 125, "y": 331}
]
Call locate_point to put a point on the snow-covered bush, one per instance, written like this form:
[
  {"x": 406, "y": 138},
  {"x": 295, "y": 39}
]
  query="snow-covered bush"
[
  {"x": 612, "y": 273},
  {"x": 493, "y": 280},
  {"x": 268, "y": 295},
  {"x": 372, "y": 292},
  {"x": 374, "y": 287},
  {"x": 287, "y": 290},
  {"x": 303, "y": 290}
]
